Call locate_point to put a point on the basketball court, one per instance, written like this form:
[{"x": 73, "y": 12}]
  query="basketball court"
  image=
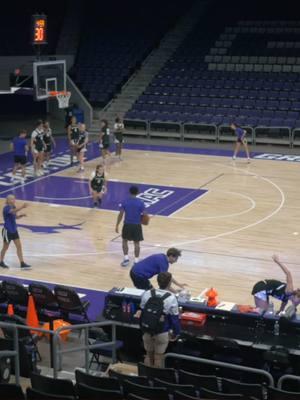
[{"x": 228, "y": 218}]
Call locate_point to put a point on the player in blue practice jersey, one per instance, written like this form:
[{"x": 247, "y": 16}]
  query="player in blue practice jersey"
[
  {"x": 240, "y": 140},
  {"x": 10, "y": 231},
  {"x": 132, "y": 209},
  {"x": 20, "y": 149},
  {"x": 144, "y": 270}
]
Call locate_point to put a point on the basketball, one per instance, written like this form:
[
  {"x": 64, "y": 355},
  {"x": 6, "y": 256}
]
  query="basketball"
[{"x": 145, "y": 219}]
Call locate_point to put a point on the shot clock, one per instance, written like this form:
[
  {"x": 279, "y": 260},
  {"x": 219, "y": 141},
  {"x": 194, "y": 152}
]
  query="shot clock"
[{"x": 39, "y": 29}]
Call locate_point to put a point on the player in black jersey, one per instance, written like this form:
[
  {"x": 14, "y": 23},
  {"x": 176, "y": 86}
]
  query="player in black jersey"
[
  {"x": 81, "y": 146},
  {"x": 38, "y": 148},
  {"x": 283, "y": 291},
  {"x": 98, "y": 185},
  {"x": 73, "y": 136},
  {"x": 49, "y": 141},
  {"x": 118, "y": 133},
  {"x": 104, "y": 139}
]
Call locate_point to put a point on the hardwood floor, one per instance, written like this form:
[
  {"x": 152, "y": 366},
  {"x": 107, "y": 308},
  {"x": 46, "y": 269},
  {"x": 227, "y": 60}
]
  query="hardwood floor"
[{"x": 227, "y": 235}]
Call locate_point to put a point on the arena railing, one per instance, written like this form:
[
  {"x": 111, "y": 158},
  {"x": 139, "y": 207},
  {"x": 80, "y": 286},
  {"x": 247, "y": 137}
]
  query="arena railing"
[
  {"x": 193, "y": 131},
  {"x": 287, "y": 377},
  {"x": 295, "y": 137},
  {"x": 56, "y": 351},
  {"x": 273, "y": 140},
  {"x": 221, "y": 364},
  {"x": 166, "y": 129}
]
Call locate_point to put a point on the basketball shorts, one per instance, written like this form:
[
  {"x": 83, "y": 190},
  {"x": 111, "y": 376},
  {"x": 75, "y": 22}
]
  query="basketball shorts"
[
  {"x": 259, "y": 291},
  {"x": 119, "y": 138},
  {"x": 48, "y": 148},
  {"x": 98, "y": 189},
  {"x": 140, "y": 282},
  {"x": 20, "y": 160},
  {"x": 132, "y": 232},
  {"x": 105, "y": 146},
  {"x": 37, "y": 150},
  {"x": 9, "y": 236}
]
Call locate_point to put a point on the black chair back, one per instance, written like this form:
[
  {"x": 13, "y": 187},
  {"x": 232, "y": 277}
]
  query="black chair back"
[
  {"x": 166, "y": 374},
  {"x": 67, "y": 299},
  {"x": 276, "y": 394},
  {"x": 97, "y": 382},
  {"x": 43, "y": 297},
  {"x": 181, "y": 396},
  {"x": 229, "y": 386},
  {"x": 10, "y": 391},
  {"x": 3, "y": 297},
  {"x": 16, "y": 293},
  {"x": 33, "y": 394},
  {"x": 88, "y": 393},
  {"x": 140, "y": 380},
  {"x": 206, "y": 381},
  {"x": 148, "y": 392},
  {"x": 69, "y": 302},
  {"x": 52, "y": 386},
  {"x": 134, "y": 397},
  {"x": 209, "y": 394},
  {"x": 172, "y": 387}
]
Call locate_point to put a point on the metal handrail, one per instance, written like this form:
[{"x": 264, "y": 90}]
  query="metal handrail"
[
  {"x": 221, "y": 364},
  {"x": 57, "y": 352},
  {"x": 286, "y": 378}
]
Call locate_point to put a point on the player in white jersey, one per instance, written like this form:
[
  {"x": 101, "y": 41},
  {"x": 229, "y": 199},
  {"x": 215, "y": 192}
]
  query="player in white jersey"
[{"x": 38, "y": 148}]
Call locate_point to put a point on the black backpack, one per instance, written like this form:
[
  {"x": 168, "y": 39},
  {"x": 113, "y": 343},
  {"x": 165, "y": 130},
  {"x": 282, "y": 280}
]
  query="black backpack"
[{"x": 153, "y": 318}]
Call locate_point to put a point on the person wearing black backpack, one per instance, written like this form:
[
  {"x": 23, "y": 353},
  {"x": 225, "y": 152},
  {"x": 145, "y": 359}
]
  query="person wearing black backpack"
[{"x": 159, "y": 319}]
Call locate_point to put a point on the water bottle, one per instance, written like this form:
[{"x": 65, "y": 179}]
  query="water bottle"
[
  {"x": 124, "y": 309},
  {"x": 270, "y": 310},
  {"x": 276, "y": 328}
]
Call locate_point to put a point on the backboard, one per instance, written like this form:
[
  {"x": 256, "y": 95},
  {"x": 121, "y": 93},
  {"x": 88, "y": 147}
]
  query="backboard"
[{"x": 48, "y": 76}]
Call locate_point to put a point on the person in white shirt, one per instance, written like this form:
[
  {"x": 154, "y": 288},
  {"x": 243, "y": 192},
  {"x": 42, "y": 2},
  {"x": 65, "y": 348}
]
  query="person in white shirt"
[
  {"x": 156, "y": 345},
  {"x": 38, "y": 148}
]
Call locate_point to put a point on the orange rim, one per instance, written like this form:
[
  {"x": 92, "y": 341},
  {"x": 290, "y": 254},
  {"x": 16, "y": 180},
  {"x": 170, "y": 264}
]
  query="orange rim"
[{"x": 55, "y": 93}]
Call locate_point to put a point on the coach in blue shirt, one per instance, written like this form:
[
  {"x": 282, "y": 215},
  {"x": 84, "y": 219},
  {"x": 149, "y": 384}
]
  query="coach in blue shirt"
[
  {"x": 10, "y": 231},
  {"x": 144, "y": 270},
  {"x": 133, "y": 208}
]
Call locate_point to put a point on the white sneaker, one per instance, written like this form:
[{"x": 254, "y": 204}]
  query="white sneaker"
[
  {"x": 234, "y": 158},
  {"x": 248, "y": 160}
]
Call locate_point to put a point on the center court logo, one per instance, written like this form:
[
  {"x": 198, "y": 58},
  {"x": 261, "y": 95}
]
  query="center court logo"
[
  {"x": 278, "y": 157},
  {"x": 153, "y": 195},
  {"x": 50, "y": 229}
]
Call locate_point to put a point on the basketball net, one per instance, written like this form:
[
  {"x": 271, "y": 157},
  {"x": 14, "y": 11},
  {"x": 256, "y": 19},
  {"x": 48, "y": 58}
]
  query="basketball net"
[{"x": 62, "y": 98}]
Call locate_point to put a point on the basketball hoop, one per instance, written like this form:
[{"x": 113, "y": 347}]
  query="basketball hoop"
[{"x": 62, "y": 98}]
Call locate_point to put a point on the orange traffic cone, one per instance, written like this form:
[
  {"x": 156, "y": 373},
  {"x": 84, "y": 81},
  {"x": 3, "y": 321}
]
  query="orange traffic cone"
[
  {"x": 212, "y": 297},
  {"x": 31, "y": 317},
  {"x": 10, "y": 309}
]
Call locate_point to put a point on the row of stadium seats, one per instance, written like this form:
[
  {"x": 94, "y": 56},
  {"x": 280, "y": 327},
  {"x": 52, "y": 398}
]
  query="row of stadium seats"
[
  {"x": 110, "y": 51},
  {"x": 150, "y": 384}
]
